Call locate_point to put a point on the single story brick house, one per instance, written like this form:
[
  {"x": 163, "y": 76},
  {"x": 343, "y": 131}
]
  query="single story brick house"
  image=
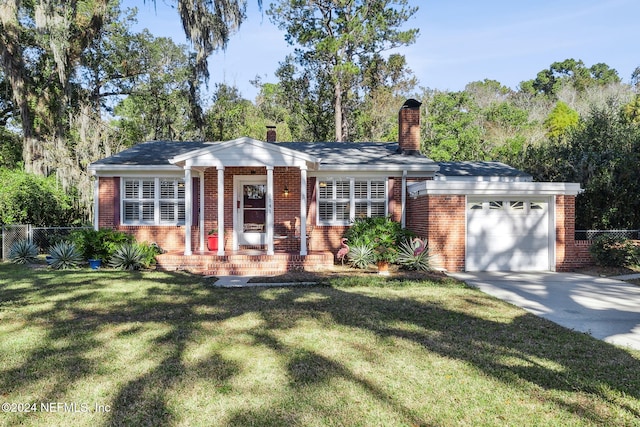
[{"x": 285, "y": 205}]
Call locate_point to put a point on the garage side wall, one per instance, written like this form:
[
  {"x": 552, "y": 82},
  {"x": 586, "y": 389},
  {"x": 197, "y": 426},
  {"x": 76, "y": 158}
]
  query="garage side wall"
[
  {"x": 441, "y": 219},
  {"x": 570, "y": 253}
]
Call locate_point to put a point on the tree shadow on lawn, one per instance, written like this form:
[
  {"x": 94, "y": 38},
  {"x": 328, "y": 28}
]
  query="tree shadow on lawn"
[{"x": 178, "y": 305}]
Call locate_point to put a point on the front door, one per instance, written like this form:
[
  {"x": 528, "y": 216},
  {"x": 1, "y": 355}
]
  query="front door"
[{"x": 251, "y": 211}]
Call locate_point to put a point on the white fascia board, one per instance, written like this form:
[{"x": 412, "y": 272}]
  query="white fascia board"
[
  {"x": 493, "y": 188},
  {"x": 138, "y": 170}
]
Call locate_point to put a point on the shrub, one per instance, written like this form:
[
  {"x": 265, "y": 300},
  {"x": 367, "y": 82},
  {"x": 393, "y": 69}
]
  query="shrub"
[
  {"x": 129, "y": 256},
  {"x": 381, "y": 233},
  {"x": 23, "y": 252},
  {"x": 149, "y": 252},
  {"x": 611, "y": 251},
  {"x": 99, "y": 244},
  {"x": 360, "y": 255},
  {"x": 64, "y": 255},
  {"x": 411, "y": 257}
]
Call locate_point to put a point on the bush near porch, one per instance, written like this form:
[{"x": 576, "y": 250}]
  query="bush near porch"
[{"x": 159, "y": 348}]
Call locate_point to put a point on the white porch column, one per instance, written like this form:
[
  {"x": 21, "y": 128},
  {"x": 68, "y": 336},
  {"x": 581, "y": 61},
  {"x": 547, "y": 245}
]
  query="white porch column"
[
  {"x": 303, "y": 210},
  {"x": 96, "y": 202},
  {"x": 220, "y": 210},
  {"x": 201, "y": 213},
  {"x": 188, "y": 209},
  {"x": 269, "y": 230}
]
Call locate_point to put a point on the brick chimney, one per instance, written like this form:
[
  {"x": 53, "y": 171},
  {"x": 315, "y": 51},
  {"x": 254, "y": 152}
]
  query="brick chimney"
[
  {"x": 271, "y": 134},
  {"x": 409, "y": 127}
]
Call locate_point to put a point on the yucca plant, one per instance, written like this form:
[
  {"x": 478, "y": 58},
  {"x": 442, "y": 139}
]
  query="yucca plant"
[
  {"x": 361, "y": 255},
  {"x": 414, "y": 255},
  {"x": 64, "y": 255},
  {"x": 23, "y": 252},
  {"x": 129, "y": 256}
]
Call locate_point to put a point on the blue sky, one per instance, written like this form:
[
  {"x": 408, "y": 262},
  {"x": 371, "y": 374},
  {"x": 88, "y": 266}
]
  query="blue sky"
[{"x": 460, "y": 41}]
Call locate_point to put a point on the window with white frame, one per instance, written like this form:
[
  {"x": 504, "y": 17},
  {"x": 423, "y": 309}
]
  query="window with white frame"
[
  {"x": 341, "y": 200},
  {"x": 154, "y": 201}
]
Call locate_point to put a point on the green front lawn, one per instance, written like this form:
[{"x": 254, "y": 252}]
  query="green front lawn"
[{"x": 152, "y": 348}]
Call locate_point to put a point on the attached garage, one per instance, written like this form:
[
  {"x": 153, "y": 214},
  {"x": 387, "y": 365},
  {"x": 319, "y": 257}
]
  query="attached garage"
[
  {"x": 484, "y": 223},
  {"x": 508, "y": 234}
]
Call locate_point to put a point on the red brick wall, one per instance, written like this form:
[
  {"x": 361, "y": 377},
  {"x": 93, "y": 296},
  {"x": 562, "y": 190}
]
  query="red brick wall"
[
  {"x": 570, "y": 254},
  {"x": 446, "y": 229},
  {"x": 286, "y": 211}
]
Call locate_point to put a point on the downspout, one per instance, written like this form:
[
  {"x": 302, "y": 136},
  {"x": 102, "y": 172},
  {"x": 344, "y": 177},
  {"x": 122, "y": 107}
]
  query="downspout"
[{"x": 403, "y": 202}]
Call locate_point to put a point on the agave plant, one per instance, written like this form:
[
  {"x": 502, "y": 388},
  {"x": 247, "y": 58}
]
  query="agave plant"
[
  {"x": 23, "y": 252},
  {"x": 129, "y": 256},
  {"x": 414, "y": 255},
  {"x": 361, "y": 255},
  {"x": 64, "y": 255}
]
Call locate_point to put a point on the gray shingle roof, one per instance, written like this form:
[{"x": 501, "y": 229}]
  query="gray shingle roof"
[
  {"x": 462, "y": 169},
  {"x": 152, "y": 153},
  {"x": 357, "y": 153}
]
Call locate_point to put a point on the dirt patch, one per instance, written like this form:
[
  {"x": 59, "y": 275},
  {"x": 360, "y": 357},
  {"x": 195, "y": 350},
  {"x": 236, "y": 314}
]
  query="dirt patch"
[{"x": 322, "y": 276}]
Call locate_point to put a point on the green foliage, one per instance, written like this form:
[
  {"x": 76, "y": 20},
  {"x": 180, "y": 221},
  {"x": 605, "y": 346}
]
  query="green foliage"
[
  {"x": 381, "y": 234},
  {"x": 452, "y": 131},
  {"x": 129, "y": 256},
  {"x": 612, "y": 251},
  {"x": 361, "y": 255},
  {"x": 100, "y": 244},
  {"x": 30, "y": 199},
  {"x": 602, "y": 154},
  {"x": 411, "y": 257},
  {"x": 561, "y": 120},
  {"x": 64, "y": 255},
  {"x": 23, "y": 252},
  {"x": 149, "y": 252}
]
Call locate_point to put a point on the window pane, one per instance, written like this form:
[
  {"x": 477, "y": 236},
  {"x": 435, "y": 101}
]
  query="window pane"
[
  {"x": 342, "y": 189},
  {"x": 342, "y": 211},
  {"x": 361, "y": 210},
  {"x": 131, "y": 189},
  {"x": 181, "y": 211},
  {"x": 360, "y": 190},
  {"x": 377, "y": 190},
  {"x": 131, "y": 211},
  {"x": 167, "y": 189},
  {"x": 147, "y": 211},
  {"x": 325, "y": 189},
  {"x": 148, "y": 189},
  {"x": 495, "y": 205},
  {"x": 325, "y": 211},
  {"x": 167, "y": 212},
  {"x": 377, "y": 209},
  {"x": 517, "y": 205}
]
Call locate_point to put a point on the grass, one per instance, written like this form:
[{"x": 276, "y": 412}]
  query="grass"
[{"x": 169, "y": 349}]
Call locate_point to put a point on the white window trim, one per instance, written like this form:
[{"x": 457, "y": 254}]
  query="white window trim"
[
  {"x": 156, "y": 200},
  {"x": 351, "y": 199}
]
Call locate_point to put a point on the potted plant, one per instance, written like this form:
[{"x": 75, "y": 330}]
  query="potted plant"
[
  {"x": 385, "y": 252},
  {"x": 212, "y": 240}
]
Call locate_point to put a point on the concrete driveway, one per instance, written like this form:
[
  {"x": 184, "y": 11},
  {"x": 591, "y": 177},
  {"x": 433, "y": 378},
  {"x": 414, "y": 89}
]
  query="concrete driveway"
[{"x": 605, "y": 308}]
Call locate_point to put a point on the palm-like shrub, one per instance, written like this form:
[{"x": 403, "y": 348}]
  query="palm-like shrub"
[
  {"x": 23, "y": 252},
  {"x": 64, "y": 255},
  {"x": 412, "y": 255},
  {"x": 129, "y": 256},
  {"x": 361, "y": 255}
]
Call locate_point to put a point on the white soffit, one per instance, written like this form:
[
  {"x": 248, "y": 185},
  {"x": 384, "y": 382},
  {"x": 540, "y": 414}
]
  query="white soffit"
[{"x": 493, "y": 188}]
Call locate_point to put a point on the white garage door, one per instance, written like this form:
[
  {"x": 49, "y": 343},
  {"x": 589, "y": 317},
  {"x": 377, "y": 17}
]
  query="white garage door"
[{"x": 507, "y": 234}]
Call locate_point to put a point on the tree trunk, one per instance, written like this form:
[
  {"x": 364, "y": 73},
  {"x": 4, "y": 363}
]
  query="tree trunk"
[{"x": 338, "y": 110}]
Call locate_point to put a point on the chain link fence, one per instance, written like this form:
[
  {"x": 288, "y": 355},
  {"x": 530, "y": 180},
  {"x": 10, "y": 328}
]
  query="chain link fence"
[
  {"x": 592, "y": 234},
  {"x": 42, "y": 237}
]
